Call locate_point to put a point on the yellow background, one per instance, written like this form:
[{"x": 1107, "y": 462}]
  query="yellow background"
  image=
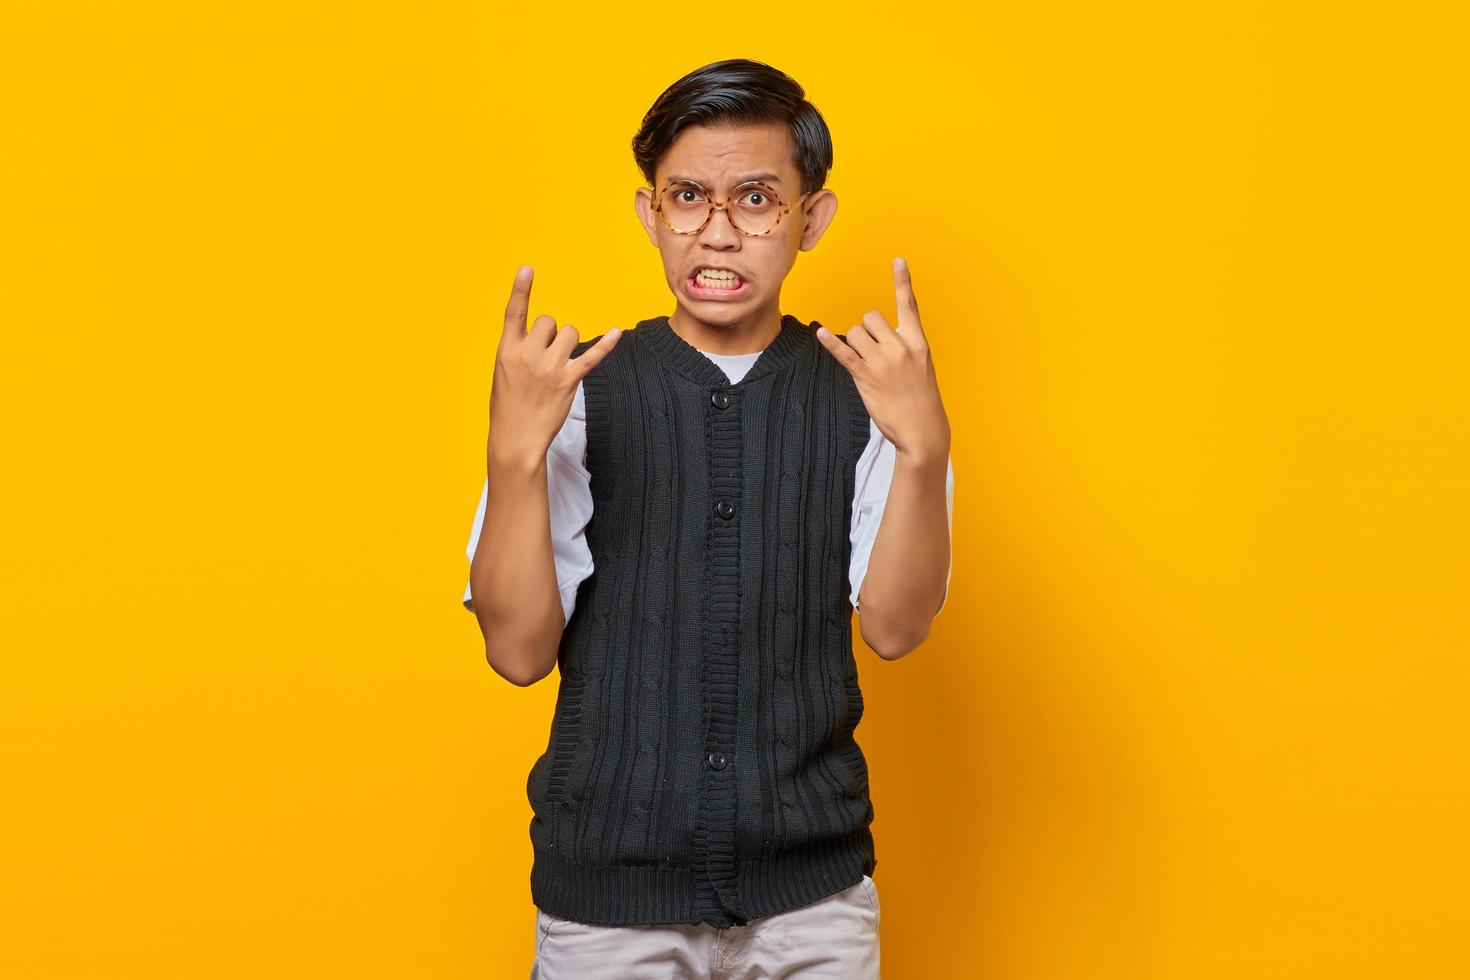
[{"x": 1195, "y": 278}]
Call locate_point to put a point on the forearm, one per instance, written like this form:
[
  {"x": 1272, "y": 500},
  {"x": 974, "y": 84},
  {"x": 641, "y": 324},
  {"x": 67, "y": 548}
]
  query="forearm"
[
  {"x": 909, "y": 564},
  {"x": 513, "y": 572}
]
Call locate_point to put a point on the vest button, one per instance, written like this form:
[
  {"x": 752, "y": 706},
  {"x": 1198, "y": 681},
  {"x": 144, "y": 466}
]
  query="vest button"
[
  {"x": 719, "y": 399},
  {"x": 725, "y": 509},
  {"x": 717, "y": 760}
]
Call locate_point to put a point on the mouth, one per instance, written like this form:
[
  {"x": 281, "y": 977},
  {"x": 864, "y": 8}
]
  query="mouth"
[{"x": 716, "y": 284}]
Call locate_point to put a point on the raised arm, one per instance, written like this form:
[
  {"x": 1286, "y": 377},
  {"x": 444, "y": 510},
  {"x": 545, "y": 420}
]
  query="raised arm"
[
  {"x": 907, "y": 576},
  {"x": 513, "y": 570}
]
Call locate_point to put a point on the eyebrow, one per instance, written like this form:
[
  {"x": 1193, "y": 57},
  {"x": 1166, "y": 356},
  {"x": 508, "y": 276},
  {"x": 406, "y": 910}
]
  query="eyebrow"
[{"x": 744, "y": 180}]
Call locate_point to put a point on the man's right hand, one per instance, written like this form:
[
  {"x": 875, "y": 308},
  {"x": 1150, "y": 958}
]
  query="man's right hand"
[{"x": 536, "y": 377}]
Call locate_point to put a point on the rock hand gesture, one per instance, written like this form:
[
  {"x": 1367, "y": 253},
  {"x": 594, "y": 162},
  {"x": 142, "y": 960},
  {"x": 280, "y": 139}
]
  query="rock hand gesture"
[
  {"x": 536, "y": 377},
  {"x": 895, "y": 374}
]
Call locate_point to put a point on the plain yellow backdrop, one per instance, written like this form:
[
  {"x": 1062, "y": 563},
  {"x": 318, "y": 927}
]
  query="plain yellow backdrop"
[{"x": 1195, "y": 279}]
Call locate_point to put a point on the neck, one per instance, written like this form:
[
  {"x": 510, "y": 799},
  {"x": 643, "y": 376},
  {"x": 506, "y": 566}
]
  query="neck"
[{"x": 748, "y": 334}]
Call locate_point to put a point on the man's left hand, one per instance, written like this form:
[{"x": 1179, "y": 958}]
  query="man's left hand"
[{"x": 895, "y": 374}]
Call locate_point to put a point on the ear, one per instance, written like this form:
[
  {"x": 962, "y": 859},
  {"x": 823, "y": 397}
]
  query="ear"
[
  {"x": 820, "y": 208},
  {"x": 643, "y": 204}
]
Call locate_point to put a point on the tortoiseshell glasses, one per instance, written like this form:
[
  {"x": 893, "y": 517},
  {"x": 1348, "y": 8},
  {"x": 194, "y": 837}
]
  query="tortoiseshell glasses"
[{"x": 754, "y": 209}]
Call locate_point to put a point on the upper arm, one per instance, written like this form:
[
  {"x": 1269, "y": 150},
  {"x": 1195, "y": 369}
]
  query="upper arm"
[{"x": 873, "y": 478}]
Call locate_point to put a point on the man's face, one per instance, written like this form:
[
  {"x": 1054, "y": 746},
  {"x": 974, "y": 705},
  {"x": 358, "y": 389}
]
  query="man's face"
[{"x": 722, "y": 159}]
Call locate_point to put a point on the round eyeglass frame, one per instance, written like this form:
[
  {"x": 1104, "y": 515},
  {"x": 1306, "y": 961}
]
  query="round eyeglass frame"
[{"x": 724, "y": 206}]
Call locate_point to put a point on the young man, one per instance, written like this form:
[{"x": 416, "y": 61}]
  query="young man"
[{"x": 683, "y": 521}]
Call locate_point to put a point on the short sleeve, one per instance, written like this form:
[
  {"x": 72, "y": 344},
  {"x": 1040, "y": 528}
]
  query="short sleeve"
[{"x": 873, "y": 478}]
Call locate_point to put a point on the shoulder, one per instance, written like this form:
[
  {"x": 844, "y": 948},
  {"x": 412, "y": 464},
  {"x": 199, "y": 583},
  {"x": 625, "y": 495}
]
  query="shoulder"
[
  {"x": 583, "y": 345},
  {"x": 627, "y": 343},
  {"x": 814, "y": 350},
  {"x": 862, "y": 434}
]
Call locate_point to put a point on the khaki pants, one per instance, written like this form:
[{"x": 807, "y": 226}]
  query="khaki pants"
[{"x": 833, "y": 939}]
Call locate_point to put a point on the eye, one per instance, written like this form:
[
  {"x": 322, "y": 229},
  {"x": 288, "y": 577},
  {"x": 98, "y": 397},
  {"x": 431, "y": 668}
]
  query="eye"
[{"x": 757, "y": 199}]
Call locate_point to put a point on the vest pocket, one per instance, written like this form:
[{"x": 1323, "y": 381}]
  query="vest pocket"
[
  {"x": 856, "y": 767},
  {"x": 565, "y": 733},
  {"x": 536, "y": 793},
  {"x": 847, "y": 747}
]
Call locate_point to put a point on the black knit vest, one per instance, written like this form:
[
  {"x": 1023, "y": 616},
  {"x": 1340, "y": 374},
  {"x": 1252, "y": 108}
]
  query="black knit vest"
[{"x": 701, "y": 765}]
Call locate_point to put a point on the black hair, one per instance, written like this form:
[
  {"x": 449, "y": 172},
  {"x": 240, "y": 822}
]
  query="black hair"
[{"x": 735, "y": 92}]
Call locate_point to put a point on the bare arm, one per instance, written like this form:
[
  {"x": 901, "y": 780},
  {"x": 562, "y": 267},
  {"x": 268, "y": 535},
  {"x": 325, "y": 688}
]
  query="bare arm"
[
  {"x": 894, "y": 373},
  {"x": 909, "y": 565},
  {"x": 513, "y": 572}
]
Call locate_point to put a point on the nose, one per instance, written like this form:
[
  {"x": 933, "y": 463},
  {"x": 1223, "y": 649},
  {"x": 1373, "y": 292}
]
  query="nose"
[{"x": 718, "y": 232}]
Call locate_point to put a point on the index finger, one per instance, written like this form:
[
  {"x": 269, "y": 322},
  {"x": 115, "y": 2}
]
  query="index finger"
[
  {"x": 516, "y": 308},
  {"x": 908, "y": 304}
]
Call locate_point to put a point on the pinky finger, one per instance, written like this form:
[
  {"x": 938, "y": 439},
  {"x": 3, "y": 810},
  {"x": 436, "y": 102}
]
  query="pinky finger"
[{"x": 839, "y": 348}]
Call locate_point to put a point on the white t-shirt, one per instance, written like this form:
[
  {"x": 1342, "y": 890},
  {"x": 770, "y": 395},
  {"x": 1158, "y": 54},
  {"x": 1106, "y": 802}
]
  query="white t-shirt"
[{"x": 569, "y": 493}]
